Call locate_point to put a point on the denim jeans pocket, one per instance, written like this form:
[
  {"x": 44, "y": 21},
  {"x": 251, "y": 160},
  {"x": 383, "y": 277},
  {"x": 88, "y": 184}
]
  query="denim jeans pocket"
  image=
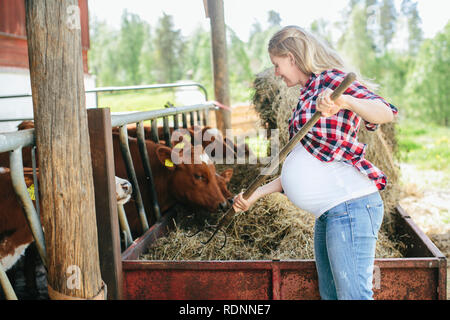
[
  {"x": 375, "y": 212},
  {"x": 336, "y": 212}
]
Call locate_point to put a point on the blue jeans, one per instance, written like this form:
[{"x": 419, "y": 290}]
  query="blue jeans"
[{"x": 344, "y": 245}]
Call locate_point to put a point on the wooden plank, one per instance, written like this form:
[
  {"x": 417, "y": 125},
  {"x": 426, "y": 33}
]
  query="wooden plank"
[
  {"x": 105, "y": 200},
  {"x": 62, "y": 139},
  {"x": 219, "y": 60}
]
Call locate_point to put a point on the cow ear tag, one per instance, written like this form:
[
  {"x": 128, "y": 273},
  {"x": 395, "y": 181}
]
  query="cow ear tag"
[
  {"x": 187, "y": 137},
  {"x": 31, "y": 192},
  {"x": 168, "y": 163},
  {"x": 179, "y": 145}
]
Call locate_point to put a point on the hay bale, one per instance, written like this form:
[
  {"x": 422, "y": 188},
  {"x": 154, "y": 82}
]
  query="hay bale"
[
  {"x": 274, "y": 102},
  {"x": 381, "y": 148}
]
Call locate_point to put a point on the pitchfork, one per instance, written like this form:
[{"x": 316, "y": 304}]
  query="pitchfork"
[{"x": 228, "y": 216}]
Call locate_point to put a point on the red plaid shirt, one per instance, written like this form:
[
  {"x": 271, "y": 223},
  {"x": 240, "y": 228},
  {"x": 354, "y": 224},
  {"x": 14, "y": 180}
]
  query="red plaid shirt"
[{"x": 334, "y": 138}]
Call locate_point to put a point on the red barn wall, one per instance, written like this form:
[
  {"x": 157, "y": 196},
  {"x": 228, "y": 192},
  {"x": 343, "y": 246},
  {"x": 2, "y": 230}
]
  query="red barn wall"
[{"x": 13, "y": 37}]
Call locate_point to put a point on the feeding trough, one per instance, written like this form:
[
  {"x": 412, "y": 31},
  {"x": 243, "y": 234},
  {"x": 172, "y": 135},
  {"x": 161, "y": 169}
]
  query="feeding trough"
[{"x": 420, "y": 274}]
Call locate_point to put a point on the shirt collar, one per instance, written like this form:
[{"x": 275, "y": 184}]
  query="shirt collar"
[{"x": 312, "y": 77}]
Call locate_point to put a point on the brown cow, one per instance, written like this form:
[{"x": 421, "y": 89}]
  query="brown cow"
[
  {"x": 15, "y": 235},
  {"x": 223, "y": 178},
  {"x": 192, "y": 184}
]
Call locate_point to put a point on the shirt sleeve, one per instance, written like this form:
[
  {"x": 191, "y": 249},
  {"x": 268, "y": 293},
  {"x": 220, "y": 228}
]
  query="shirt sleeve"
[{"x": 334, "y": 77}]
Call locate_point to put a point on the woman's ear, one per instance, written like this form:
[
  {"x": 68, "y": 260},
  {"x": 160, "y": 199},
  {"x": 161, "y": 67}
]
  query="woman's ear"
[{"x": 291, "y": 58}]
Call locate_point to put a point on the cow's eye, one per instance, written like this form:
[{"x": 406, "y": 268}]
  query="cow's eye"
[{"x": 198, "y": 176}]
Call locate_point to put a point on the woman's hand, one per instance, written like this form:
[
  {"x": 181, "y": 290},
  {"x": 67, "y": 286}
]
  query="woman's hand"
[
  {"x": 329, "y": 107},
  {"x": 240, "y": 204}
]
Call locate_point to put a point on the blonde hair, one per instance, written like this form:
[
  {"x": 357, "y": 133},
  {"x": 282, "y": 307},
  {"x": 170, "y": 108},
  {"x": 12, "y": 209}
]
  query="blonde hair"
[{"x": 311, "y": 54}]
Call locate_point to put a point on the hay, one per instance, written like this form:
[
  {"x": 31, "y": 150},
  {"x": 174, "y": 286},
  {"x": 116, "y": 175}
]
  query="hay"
[
  {"x": 274, "y": 102},
  {"x": 381, "y": 148},
  {"x": 272, "y": 229}
]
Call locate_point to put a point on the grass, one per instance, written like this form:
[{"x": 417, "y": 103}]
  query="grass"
[
  {"x": 135, "y": 101},
  {"x": 424, "y": 145},
  {"x": 425, "y": 154}
]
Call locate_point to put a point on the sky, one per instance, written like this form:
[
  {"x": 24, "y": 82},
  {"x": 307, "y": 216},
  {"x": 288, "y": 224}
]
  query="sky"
[{"x": 241, "y": 14}]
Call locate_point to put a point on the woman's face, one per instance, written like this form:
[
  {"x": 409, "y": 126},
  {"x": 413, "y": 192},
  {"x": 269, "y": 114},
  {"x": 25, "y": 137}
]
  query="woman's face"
[{"x": 286, "y": 68}]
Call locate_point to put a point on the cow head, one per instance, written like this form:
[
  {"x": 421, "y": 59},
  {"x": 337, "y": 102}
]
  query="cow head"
[
  {"x": 192, "y": 174},
  {"x": 123, "y": 190}
]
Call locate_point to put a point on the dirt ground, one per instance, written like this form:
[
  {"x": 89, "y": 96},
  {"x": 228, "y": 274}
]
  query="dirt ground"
[{"x": 426, "y": 198}]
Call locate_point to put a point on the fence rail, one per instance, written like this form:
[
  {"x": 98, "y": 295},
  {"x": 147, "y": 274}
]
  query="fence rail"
[{"x": 113, "y": 89}]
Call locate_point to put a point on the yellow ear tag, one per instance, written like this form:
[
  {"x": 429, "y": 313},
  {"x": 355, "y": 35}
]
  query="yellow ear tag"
[
  {"x": 168, "y": 163},
  {"x": 179, "y": 145},
  {"x": 31, "y": 192},
  {"x": 187, "y": 137}
]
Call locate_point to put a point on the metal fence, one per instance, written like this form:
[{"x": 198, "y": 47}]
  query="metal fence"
[
  {"x": 14, "y": 142},
  {"x": 198, "y": 115},
  {"x": 113, "y": 89}
]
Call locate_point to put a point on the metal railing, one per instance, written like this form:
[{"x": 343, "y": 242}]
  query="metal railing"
[
  {"x": 13, "y": 142},
  {"x": 113, "y": 89},
  {"x": 196, "y": 112}
]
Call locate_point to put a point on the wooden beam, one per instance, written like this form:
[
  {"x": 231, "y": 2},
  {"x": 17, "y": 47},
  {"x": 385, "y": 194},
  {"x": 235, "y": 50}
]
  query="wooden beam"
[
  {"x": 205, "y": 5},
  {"x": 105, "y": 200},
  {"x": 220, "y": 64},
  {"x": 62, "y": 139}
]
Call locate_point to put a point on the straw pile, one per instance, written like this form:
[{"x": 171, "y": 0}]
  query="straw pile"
[
  {"x": 274, "y": 102},
  {"x": 272, "y": 229}
]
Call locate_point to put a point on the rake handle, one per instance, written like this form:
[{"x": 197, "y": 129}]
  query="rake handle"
[{"x": 348, "y": 80}]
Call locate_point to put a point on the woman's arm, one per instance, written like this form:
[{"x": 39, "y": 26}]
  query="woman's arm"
[
  {"x": 373, "y": 111},
  {"x": 240, "y": 204}
]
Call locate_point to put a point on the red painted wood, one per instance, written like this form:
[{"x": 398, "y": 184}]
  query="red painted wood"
[{"x": 13, "y": 37}]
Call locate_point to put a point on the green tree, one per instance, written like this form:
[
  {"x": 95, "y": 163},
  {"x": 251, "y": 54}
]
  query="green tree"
[
  {"x": 356, "y": 45},
  {"x": 428, "y": 87},
  {"x": 197, "y": 59},
  {"x": 274, "y": 18},
  {"x": 241, "y": 72},
  {"x": 132, "y": 38},
  {"x": 169, "y": 49},
  {"x": 415, "y": 34},
  {"x": 388, "y": 20},
  {"x": 147, "y": 58},
  {"x": 103, "y": 60}
]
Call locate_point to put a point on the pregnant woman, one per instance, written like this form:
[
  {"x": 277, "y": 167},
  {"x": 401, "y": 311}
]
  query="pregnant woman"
[{"x": 326, "y": 173}]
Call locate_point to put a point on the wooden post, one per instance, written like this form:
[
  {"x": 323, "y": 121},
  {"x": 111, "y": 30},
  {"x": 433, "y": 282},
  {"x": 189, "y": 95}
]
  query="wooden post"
[
  {"x": 68, "y": 205},
  {"x": 99, "y": 121},
  {"x": 220, "y": 67}
]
